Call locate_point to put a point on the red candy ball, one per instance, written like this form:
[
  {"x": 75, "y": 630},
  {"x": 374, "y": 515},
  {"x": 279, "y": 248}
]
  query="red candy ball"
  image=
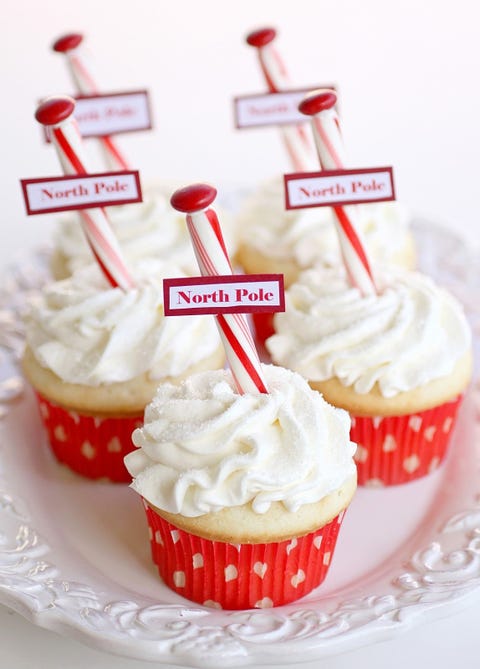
[
  {"x": 261, "y": 37},
  {"x": 67, "y": 42},
  {"x": 193, "y": 198},
  {"x": 55, "y": 110},
  {"x": 317, "y": 101}
]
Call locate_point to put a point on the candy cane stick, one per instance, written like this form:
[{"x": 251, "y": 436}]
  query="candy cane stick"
[
  {"x": 213, "y": 260},
  {"x": 326, "y": 130},
  {"x": 296, "y": 139},
  {"x": 57, "y": 114},
  {"x": 70, "y": 45}
]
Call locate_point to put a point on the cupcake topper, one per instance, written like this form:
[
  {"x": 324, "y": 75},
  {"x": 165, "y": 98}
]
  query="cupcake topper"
[
  {"x": 212, "y": 256},
  {"x": 71, "y": 46},
  {"x": 296, "y": 140},
  {"x": 326, "y": 129},
  {"x": 57, "y": 114}
]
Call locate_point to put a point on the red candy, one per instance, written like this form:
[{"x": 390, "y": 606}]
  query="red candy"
[
  {"x": 262, "y": 37},
  {"x": 67, "y": 42},
  {"x": 55, "y": 110},
  {"x": 193, "y": 198},
  {"x": 317, "y": 102}
]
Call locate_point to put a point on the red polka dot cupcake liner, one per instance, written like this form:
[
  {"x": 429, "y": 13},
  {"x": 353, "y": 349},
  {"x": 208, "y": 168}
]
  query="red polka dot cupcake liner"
[
  {"x": 397, "y": 449},
  {"x": 92, "y": 446},
  {"x": 240, "y": 576}
]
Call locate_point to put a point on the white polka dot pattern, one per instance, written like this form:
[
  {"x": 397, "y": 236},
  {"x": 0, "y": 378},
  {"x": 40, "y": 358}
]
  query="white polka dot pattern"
[
  {"x": 59, "y": 433},
  {"x": 389, "y": 444},
  {"x": 197, "y": 560},
  {"x": 179, "y": 579},
  {"x": 361, "y": 454},
  {"x": 374, "y": 483},
  {"x": 415, "y": 423},
  {"x": 218, "y": 575},
  {"x": 88, "y": 450},
  {"x": 260, "y": 569},
  {"x": 396, "y": 449},
  {"x": 114, "y": 445},
  {"x": 211, "y": 604},
  {"x": 74, "y": 416},
  {"x": 293, "y": 544},
  {"x": 447, "y": 425},
  {"x": 265, "y": 603},
  {"x": 411, "y": 464},
  {"x": 89, "y": 445},
  {"x": 298, "y": 578},
  {"x": 43, "y": 410}
]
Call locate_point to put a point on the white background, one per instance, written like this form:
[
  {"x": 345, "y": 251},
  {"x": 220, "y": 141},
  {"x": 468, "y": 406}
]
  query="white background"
[{"x": 408, "y": 75}]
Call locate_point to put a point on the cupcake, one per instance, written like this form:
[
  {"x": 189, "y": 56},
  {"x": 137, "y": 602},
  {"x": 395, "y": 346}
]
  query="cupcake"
[
  {"x": 398, "y": 361},
  {"x": 148, "y": 229},
  {"x": 244, "y": 493},
  {"x": 275, "y": 240},
  {"x": 95, "y": 356}
]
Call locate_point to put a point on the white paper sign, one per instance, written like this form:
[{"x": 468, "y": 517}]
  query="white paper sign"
[
  {"x": 336, "y": 187},
  {"x": 270, "y": 108},
  {"x": 80, "y": 192},
  {"x": 101, "y": 115},
  {"x": 224, "y": 294}
]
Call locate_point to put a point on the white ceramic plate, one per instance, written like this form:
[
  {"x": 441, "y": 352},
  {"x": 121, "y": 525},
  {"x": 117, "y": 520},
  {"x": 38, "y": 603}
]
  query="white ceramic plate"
[{"x": 74, "y": 555}]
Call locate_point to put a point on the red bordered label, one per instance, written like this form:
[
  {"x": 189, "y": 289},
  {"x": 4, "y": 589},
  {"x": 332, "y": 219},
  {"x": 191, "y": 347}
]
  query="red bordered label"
[
  {"x": 111, "y": 113},
  {"x": 271, "y": 108},
  {"x": 338, "y": 187},
  {"x": 53, "y": 194},
  {"x": 246, "y": 293}
]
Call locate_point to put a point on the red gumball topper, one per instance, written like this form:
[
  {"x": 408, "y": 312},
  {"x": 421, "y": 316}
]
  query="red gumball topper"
[
  {"x": 338, "y": 187},
  {"x": 280, "y": 105},
  {"x": 57, "y": 114},
  {"x": 102, "y": 115}
]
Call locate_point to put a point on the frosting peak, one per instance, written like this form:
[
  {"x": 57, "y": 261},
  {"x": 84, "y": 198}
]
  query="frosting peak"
[
  {"x": 89, "y": 334},
  {"x": 409, "y": 334},
  {"x": 205, "y": 447}
]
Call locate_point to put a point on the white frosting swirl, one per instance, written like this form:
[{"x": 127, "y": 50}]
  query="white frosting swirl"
[
  {"x": 411, "y": 333},
  {"x": 89, "y": 334},
  {"x": 308, "y": 236},
  {"x": 205, "y": 447},
  {"x": 148, "y": 229}
]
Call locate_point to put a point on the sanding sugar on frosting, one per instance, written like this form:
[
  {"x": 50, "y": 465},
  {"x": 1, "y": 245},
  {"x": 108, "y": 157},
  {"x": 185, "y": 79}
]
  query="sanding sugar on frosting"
[
  {"x": 411, "y": 333},
  {"x": 204, "y": 446}
]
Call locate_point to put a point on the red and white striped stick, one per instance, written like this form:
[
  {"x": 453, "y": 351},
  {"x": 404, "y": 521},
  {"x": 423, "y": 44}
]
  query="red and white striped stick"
[
  {"x": 56, "y": 113},
  {"x": 320, "y": 105},
  {"x": 213, "y": 260},
  {"x": 70, "y": 46},
  {"x": 296, "y": 139}
]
